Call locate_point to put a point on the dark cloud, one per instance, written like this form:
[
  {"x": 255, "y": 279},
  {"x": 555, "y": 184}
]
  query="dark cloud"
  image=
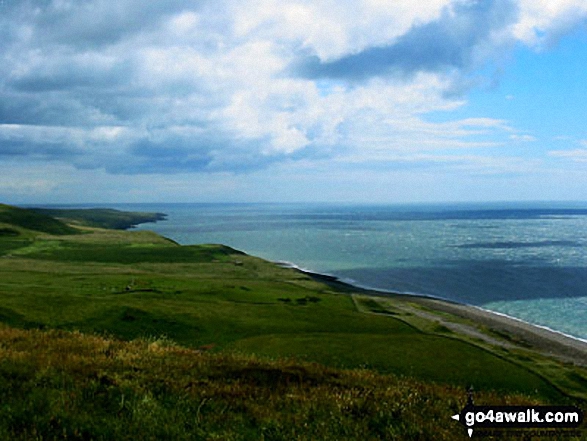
[
  {"x": 170, "y": 154},
  {"x": 36, "y": 150},
  {"x": 50, "y": 109},
  {"x": 93, "y": 23},
  {"x": 207, "y": 153},
  {"x": 71, "y": 76},
  {"x": 447, "y": 43},
  {"x": 162, "y": 154}
]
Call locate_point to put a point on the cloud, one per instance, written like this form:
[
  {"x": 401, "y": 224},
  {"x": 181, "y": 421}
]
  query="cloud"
[
  {"x": 93, "y": 23},
  {"x": 542, "y": 22},
  {"x": 133, "y": 87},
  {"x": 523, "y": 138},
  {"x": 449, "y": 42},
  {"x": 331, "y": 28},
  {"x": 70, "y": 71},
  {"x": 45, "y": 143},
  {"x": 577, "y": 155},
  {"x": 27, "y": 187}
]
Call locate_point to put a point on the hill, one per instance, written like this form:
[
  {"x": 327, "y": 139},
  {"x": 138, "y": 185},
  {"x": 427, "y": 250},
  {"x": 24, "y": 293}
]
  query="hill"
[
  {"x": 177, "y": 339},
  {"x": 32, "y": 220},
  {"x": 101, "y": 217},
  {"x": 63, "y": 385}
]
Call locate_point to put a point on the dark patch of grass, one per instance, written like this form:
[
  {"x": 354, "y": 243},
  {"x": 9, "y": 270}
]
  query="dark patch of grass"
[
  {"x": 33, "y": 221},
  {"x": 8, "y": 232},
  {"x": 508, "y": 337},
  {"x": 522, "y": 357},
  {"x": 441, "y": 329},
  {"x": 577, "y": 378},
  {"x": 301, "y": 301},
  {"x": 131, "y": 322},
  {"x": 73, "y": 252},
  {"x": 13, "y": 318},
  {"x": 375, "y": 307},
  {"x": 9, "y": 244},
  {"x": 103, "y": 217}
]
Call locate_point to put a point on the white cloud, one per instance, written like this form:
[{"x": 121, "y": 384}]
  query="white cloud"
[
  {"x": 330, "y": 28},
  {"x": 523, "y": 138},
  {"x": 170, "y": 88},
  {"x": 20, "y": 181},
  {"x": 577, "y": 155},
  {"x": 27, "y": 187},
  {"x": 542, "y": 20}
]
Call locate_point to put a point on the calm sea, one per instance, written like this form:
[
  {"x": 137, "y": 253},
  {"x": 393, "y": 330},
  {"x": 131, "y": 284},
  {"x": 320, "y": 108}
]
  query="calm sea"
[{"x": 525, "y": 260}]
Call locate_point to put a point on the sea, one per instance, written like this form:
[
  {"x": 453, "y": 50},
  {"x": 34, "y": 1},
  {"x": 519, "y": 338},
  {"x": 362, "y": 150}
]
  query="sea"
[{"x": 525, "y": 260}]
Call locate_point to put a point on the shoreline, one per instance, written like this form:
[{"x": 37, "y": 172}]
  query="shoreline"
[
  {"x": 422, "y": 297},
  {"x": 526, "y": 335}
]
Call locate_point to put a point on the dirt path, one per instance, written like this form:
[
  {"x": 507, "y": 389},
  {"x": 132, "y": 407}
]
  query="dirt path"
[
  {"x": 516, "y": 333},
  {"x": 459, "y": 328},
  {"x": 520, "y": 333}
]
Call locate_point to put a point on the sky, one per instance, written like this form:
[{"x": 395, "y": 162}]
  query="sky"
[{"x": 371, "y": 101}]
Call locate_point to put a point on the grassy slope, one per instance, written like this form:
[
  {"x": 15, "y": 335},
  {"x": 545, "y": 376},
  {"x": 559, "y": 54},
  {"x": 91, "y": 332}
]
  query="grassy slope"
[
  {"x": 88, "y": 387},
  {"x": 19, "y": 217},
  {"x": 136, "y": 284},
  {"x": 102, "y": 217}
]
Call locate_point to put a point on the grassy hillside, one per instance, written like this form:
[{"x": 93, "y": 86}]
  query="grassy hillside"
[
  {"x": 31, "y": 220},
  {"x": 214, "y": 296},
  {"x": 79, "y": 386},
  {"x": 102, "y": 217},
  {"x": 244, "y": 311}
]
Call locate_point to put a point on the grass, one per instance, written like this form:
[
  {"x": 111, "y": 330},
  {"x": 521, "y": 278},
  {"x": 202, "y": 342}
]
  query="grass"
[
  {"x": 212, "y": 295},
  {"x": 33, "y": 221},
  {"x": 407, "y": 355},
  {"x": 102, "y": 217},
  {"x": 130, "y": 255},
  {"x": 62, "y": 385},
  {"x": 104, "y": 332}
]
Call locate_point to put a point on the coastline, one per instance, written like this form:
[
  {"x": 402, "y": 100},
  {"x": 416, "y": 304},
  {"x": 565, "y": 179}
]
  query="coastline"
[
  {"x": 526, "y": 335},
  {"x": 421, "y": 295},
  {"x": 566, "y": 348}
]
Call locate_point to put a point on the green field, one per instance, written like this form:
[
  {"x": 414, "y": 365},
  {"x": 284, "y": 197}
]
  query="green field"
[
  {"x": 101, "y": 217},
  {"x": 119, "y": 285}
]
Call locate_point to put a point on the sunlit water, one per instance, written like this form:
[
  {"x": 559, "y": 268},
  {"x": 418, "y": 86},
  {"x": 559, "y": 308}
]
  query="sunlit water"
[{"x": 526, "y": 261}]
